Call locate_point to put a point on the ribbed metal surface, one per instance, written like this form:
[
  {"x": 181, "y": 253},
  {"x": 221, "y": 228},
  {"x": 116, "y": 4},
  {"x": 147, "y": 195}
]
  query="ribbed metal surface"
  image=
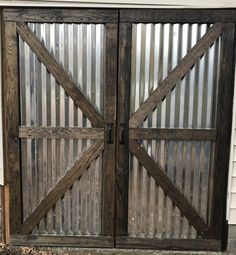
[
  {"x": 80, "y": 50},
  {"x": 156, "y": 50}
]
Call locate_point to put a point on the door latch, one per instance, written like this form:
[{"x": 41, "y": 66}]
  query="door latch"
[
  {"x": 122, "y": 133},
  {"x": 109, "y": 133}
]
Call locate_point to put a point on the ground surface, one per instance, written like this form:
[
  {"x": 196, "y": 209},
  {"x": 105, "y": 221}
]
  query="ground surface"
[{"x": 8, "y": 250}]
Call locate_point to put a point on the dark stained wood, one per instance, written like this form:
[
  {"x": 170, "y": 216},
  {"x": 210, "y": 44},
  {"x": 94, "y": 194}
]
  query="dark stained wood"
[
  {"x": 172, "y": 134},
  {"x": 5, "y": 214},
  {"x": 168, "y": 244},
  {"x": 60, "y": 15},
  {"x": 59, "y": 74},
  {"x": 176, "y": 74},
  {"x": 62, "y": 186},
  {"x": 155, "y": 170},
  {"x": 122, "y": 148},
  {"x": 178, "y": 15},
  {"x": 223, "y": 130},
  {"x": 63, "y": 241},
  {"x": 61, "y": 132},
  {"x": 108, "y": 186},
  {"x": 11, "y": 123}
]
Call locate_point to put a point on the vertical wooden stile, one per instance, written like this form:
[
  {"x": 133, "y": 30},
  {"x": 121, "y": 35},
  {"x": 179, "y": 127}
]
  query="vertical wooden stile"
[
  {"x": 5, "y": 215},
  {"x": 122, "y": 148},
  {"x": 108, "y": 191},
  {"x": 223, "y": 130},
  {"x": 11, "y": 123}
]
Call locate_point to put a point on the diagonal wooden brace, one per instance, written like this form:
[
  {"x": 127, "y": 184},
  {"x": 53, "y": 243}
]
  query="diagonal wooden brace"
[
  {"x": 62, "y": 186},
  {"x": 176, "y": 74},
  {"x": 154, "y": 169},
  {"x": 59, "y": 74}
]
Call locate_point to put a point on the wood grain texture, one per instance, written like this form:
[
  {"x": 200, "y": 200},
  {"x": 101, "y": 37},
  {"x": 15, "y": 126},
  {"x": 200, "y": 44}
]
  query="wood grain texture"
[
  {"x": 63, "y": 241},
  {"x": 176, "y": 74},
  {"x": 11, "y": 123},
  {"x": 62, "y": 186},
  {"x": 5, "y": 214},
  {"x": 168, "y": 244},
  {"x": 172, "y": 134},
  {"x": 223, "y": 131},
  {"x": 59, "y": 74},
  {"x": 178, "y": 16},
  {"x": 108, "y": 186},
  {"x": 155, "y": 170},
  {"x": 60, "y": 15},
  {"x": 61, "y": 132},
  {"x": 122, "y": 147}
]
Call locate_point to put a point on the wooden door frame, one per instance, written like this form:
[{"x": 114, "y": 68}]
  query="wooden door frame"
[
  {"x": 13, "y": 22},
  {"x": 218, "y": 234}
]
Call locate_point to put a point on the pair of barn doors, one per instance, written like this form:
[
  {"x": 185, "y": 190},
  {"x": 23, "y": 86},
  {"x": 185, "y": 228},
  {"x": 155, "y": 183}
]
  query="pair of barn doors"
[{"x": 117, "y": 126}]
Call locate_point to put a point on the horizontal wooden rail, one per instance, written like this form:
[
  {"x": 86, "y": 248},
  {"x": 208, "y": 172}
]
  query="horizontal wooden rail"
[
  {"x": 172, "y": 134},
  {"x": 60, "y": 15},
  {"x": 178, "y": 16},
  {"x": 168, "y": 243},
  {"x": 61, "y": 132},
  {"x": 63, "y": 241}
]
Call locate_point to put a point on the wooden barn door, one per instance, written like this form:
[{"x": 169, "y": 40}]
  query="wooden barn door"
[
  {"x": 175, "y": 97},
  {"x": 60, "y": 71},
  {"x": 142, "y": 168}
]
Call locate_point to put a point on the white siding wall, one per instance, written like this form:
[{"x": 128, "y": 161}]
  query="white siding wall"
[
  {"x": 126, "y": 3},
  {"x": 231, "y": 199}
]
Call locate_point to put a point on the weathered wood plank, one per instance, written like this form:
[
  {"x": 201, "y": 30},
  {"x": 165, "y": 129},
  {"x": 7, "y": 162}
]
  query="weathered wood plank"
[
  {"x": 168, "y": 244},
  {"x": 155, "y": 170},
  {"x": 122, "y": 148},
  {"x": 61, "y": 132},
  {"x": 108, "y": 185},
  {"x": 11, "y": 123},
  {"x": 5, "y": 214},
  {"x": 63, "y": 241},
  {"x": 176, "y": 74},
  {"x": 172, "y": 134},
  {"x": 223, "y": 130},
  {"x": 60, "y": 15},
  {"x": 59, "y": 74},
  {"x": 62, "y": 186},
  {"x": 178, "y": 16}
]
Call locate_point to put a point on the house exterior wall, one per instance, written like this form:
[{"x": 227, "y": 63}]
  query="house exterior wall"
[
  {"x": 125, "y": 3},
  {"x": 231, "y": 195}
]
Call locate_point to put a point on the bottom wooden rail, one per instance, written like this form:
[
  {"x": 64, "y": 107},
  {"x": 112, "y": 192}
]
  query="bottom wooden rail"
[
  {"x": 168, "y": 244},
  {"x": 63, "y": 241}
]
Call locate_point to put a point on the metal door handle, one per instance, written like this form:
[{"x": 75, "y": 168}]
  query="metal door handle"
[{"x": 109, "y": 131}]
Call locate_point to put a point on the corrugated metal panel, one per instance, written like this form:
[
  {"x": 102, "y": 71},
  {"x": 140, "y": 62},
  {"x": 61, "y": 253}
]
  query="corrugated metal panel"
[
  {"x": 80, "y": 50},
  {"x": 156, "y": 50}
]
